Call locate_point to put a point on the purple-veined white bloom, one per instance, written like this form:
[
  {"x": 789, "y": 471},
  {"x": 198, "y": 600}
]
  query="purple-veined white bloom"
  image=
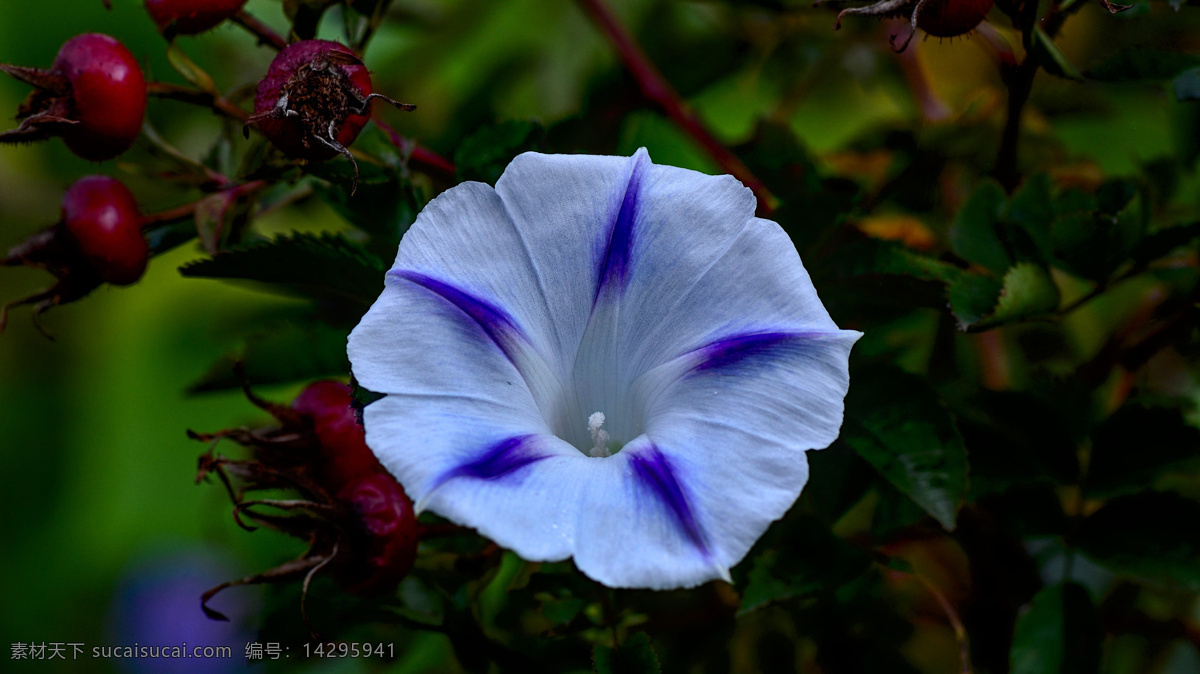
[{"x": 606, "y": 359}]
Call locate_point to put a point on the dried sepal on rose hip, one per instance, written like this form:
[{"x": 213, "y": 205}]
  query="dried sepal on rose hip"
[
  {"x": 189, "y": 17},
  {"x": 355, "y": 518},
  {"x": 93, "y": 97},
  {"x": 97, "y": 240},
  {"x": 940, "y": 18},
  {"x": 314, "y": 101}
]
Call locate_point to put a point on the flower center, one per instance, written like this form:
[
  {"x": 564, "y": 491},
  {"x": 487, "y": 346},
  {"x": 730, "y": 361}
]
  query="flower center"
[{"x": 599, "y": 436}]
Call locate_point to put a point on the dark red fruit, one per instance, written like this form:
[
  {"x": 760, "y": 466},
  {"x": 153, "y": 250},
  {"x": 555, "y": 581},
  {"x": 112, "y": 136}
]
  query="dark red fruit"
[
  {"x": 189, "y": 17},
  {"x": 357, "y": 522},
  {"x": 313, "y": 97},
  {"x": 950, "y": 18},
  {"x": 102, "y": 218},
  {"x": 382, "y": 543},
  {"x": 315, "y": 100},
  {"x": 940, "y": 18},
  {"x": 345, "y": 455},
  {"x": 94, "y": 97}
]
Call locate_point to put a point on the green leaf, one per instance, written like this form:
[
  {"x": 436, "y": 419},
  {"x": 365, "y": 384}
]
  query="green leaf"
[
  {"x": 898, "y": 424},
  {"x": 325, "y": 266},
  {"x": 826, "y": 563},
  {"x": 1075, "y": 200},
  {"x": 973, "y": 297},
  {"x": 1023, "y": 439},
  {"x": 1151, "y": 536},
  {"x": 1028, "y": 291},
  {"x": 1073, "y": 236},
  {"x": 1164, "y": 241},
  {"x": 1058, "y": 634},
  {"x": 362, "y": 396},
  {"x": 974, "y": 235},
  {"x": 1143, "y": 64},
  {"x": 1114, "y": 195},
  {"x": 887, "y": 257},
  {"x": 1162, "y": 439},
  {"x": 635, "y": 656},
  {"x": 1093, "y": 244},
  {"x": 484, "y": 154},
  {"x": 290, "y": 353},
  {"x": 1051, "y": 57},
  {"x": 1031, "y": 210},
  {"x": 560, "y": 610},
  {"x": 194, "y": 74},
  {"x": 385, "y": 204},
  {"x": 1187, "y": 85}
]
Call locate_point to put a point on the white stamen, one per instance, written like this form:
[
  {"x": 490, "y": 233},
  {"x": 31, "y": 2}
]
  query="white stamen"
[{"x": 599, "y": 436}]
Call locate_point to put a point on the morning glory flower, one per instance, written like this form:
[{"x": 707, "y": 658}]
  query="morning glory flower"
[{"x": 602, "y": 359}]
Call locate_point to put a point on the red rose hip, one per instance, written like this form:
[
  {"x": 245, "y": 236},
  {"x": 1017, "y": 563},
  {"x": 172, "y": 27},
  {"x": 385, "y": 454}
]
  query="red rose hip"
[
  {"x": 94, "y": 97},
  {"x": 314, "y": 101},
  {"x": 102, "y": 218},
  {"x": 189, "y": 17},
  {"x": 382, "y": 541},
  {"x": 344, "y": 452},
  {"x": 950, "y": 18}
]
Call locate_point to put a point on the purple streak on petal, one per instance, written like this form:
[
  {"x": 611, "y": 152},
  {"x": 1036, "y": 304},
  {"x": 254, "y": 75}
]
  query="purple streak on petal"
[
  {"x": 615, "y": 266},
  {"x": 493, "y": 320},
  {"x": 733, "y": 350},
  {"x": 654, "y": 471},
  {"x": 501, "y": 459}
]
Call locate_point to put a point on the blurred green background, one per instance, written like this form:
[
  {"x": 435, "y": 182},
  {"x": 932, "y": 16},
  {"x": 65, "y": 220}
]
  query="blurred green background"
[{"x": 95, "y": 469}]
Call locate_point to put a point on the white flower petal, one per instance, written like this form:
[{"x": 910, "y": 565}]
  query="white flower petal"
[
  {"x": 597, "y": 298},
  {"x": 747, "y": 279},
  {"x": 424, "y": 336},
  {"x": 465, "y": 460},
  {"x": 638, "y": 527},
  {"x": 738, "y": 422},
  {"x": 565, "y": 208}
]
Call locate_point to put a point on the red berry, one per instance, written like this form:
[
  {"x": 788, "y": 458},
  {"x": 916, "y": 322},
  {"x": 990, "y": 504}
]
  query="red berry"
[
  {"x": 189, "y": 17},
  {"x": 308, "y": 103},
  {"x": 102, "y": 217},
  {"x": 949, "y": 18},
  {"x": 382, "y": 540},
  {"x": 108, "y": 94},
  {"x": 346, "y": 457},
  {"x": 94, "y": 97}
]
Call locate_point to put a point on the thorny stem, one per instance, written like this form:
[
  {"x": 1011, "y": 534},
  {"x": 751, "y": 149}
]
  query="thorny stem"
[
  {"x": 219, "y": 104},
  {"x": 1020, "y": 83},
  {"x": 262, "y": 31},
  {"x": 1100, "y": 289},
  {"x": 656, "y": 88},
  {"x": 189, "y": 210},
  {"x": 422, "y": 158}
]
